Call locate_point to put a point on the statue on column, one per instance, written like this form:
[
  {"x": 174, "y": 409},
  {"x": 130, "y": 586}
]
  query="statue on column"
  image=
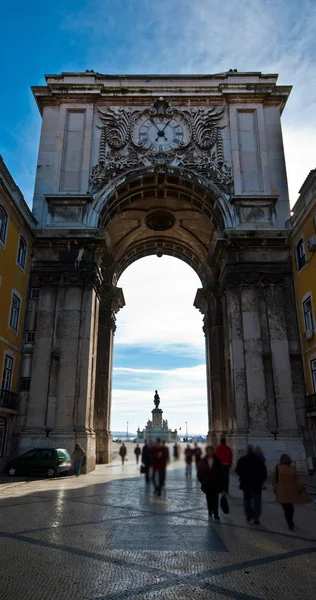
[{"x": 156, "y": 399}]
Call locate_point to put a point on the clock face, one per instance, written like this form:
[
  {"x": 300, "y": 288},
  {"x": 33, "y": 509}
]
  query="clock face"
[{"x": 161, "y": 133}]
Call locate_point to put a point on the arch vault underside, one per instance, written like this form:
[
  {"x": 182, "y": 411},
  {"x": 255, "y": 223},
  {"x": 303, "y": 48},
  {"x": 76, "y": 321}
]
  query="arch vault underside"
[{"x": 246, "y": 297}]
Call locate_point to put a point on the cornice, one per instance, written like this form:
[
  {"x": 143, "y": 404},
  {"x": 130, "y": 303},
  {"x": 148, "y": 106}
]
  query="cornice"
[{"x": 226, "y": 87}]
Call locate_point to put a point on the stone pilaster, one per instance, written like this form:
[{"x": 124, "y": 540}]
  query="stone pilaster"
[
  {"x": 36, "y": 426},
  {"x": 112, "y": 300},
  {"x": 210, "y": 305},
  {"x": 61, "y": 402}
]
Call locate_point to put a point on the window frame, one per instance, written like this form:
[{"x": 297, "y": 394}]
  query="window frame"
[
  {"x": 300, "y": 244},
  {"x": 3, "y": 426},
  {"x": 313, "y": 373},
  {"x": 25, "y": 384},
  {"x": 7, "y": 354},
  {"x": 4, "y": 240},
  {"x": 20, "y": 264},
  {"x": 15, "y": 293},
  {"x": 309, "y": 314},
  {"x": 35, "y": 293},
  {"x": 30, "y": 333}
]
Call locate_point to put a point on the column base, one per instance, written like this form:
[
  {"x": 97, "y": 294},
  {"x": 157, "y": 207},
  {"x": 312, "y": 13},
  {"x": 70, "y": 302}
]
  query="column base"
[
  {"x": 33, "y": 437},
  {"x": 36, "y": 437},
  {"x": 103, "y": 447},
  {"x": 272, "y": 446}
]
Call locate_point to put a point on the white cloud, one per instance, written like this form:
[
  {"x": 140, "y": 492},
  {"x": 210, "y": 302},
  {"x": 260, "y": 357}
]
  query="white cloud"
[
  {"x": 182, "y": 36},
  {"x": 159, "y": 311},
  {"x": 182, "y": 393}
]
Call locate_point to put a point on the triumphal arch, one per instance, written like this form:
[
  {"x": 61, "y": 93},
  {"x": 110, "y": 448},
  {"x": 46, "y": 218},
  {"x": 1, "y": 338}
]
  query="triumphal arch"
[{"x": 188, "y": 166}]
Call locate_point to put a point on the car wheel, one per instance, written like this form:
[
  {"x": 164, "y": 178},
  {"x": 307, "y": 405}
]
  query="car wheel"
[
  {"x": 51, "y": 472},
  {"x": 12, "y": 471}
]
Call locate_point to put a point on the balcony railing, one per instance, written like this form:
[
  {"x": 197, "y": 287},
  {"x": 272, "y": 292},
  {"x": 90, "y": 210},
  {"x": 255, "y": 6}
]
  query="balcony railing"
[
  {"x": 8, "y": 400},
  {"x": 310, "y": 403}
]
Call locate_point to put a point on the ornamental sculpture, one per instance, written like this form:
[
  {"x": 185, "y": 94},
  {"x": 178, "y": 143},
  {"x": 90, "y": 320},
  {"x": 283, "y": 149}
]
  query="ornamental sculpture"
[{"x": 161, "y": 135}]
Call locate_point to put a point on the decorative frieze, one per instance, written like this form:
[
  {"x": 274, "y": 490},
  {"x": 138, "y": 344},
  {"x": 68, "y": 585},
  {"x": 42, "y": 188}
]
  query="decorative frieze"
[{"x": 161, "y": 135}]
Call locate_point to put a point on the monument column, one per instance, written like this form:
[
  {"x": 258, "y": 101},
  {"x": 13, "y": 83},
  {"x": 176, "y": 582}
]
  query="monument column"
[{"x": 112, "y": 300}]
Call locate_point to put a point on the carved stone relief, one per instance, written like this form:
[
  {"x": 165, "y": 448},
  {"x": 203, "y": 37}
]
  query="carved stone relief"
[{"x": 161, "y": 135}]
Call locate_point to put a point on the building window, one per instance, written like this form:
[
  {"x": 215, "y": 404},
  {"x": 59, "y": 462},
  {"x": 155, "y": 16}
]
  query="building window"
[
  {"x": 35, "y": 293},
  {"x": 30, "y": 337},
  {"x": 3, "y": 225},
  {"x": 308, "y": 314},
  {"x": 7, "y": 372},
  {"x": 300, "y": 255},
  {"x": 313, "y": 372},
  {"x": 2, "y": 435},
  {"x": 15, "y": 312},
  {"x": 22, "y": 251},
  {"x": 25, "y": 384}
]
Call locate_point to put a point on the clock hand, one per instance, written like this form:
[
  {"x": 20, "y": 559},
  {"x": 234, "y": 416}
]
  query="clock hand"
[
  {"x": 153, "y": 122},
  {"x": 166, "y": 124}
]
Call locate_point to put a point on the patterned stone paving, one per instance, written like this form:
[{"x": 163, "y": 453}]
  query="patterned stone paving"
[{"x": 105, "y": 536}]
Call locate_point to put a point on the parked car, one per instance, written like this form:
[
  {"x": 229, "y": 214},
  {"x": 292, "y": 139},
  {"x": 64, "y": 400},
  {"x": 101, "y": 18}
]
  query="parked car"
[{"x": 52, "y": 461}]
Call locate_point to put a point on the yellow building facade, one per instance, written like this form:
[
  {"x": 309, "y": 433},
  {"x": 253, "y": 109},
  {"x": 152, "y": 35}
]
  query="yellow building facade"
[
  {"x": 303, "y": 241},
  {"x": 16, "y": 222}
]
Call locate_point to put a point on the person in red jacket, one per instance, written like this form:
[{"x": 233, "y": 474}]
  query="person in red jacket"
[
  {"x": 225, "y": 455},
  {"x": 159, "y": 458}
]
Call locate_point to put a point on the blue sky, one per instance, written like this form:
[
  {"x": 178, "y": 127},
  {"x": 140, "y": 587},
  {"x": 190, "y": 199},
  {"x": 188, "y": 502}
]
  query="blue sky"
[{"x": 147, "y": 36}]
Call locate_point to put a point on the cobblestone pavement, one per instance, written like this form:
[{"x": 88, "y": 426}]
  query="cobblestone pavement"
[{"x": 105, "y": 536}]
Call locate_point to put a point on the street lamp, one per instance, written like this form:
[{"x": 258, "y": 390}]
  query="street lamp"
[
  {"x": 127, "y": 430},
  {"x": 186, "y": 430}
]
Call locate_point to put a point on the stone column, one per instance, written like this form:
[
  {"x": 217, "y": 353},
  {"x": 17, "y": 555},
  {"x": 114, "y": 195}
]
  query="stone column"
[
  {"x": 112, "y": 300},
  {"x": 256, "y": 389},
  {"x": 61, "y": 403},
  {"x": 237, "y": 362},
  {"x": 210, "y": 306},
  {"x": 279, "y": 344},
  {"x": 36, "y": 429}
]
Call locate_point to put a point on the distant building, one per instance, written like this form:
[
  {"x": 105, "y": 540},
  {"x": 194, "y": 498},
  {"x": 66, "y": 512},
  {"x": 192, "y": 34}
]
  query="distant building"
[
  {"x": 157, "y": 427},
  {"x": 16, "y": 222},
  {"x": 303, "y": 238}
]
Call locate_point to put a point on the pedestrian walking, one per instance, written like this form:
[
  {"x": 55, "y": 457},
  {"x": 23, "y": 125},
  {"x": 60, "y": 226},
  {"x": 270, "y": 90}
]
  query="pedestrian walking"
[
  {"x": 79, "y": 456},
  {"x": 197, "y": 453},
  {"x": 159, "y": 459},
  {"x": 225, "y": 455},
  {"x": 123, "y": 452},
  {"x": 137, "y": 453},
  {"x": 188, "y": 454},
  {"x": 146, "y": 459},
  {"x": 211, "y": 477},
  {"x": 176, "y": 451},
  {"x": 259, "y": 453},
  {"x": 287, "y": 488},
  {"x": 252, "y": 474}
]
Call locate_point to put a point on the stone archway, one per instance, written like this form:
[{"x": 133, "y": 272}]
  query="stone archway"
[
  {"x": 159, "y": 211},
  {"x": 195, "y": 174}
]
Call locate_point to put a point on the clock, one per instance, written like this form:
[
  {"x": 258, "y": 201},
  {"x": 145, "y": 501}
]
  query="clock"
[{"x": 161, "y": 133}]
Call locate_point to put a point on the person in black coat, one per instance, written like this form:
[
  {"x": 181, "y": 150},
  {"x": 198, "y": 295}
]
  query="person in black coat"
[
  {"x": 252, "y": 475},
  {"x": 212, "y": 478},
  {"x": 146, "y": 460}
]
